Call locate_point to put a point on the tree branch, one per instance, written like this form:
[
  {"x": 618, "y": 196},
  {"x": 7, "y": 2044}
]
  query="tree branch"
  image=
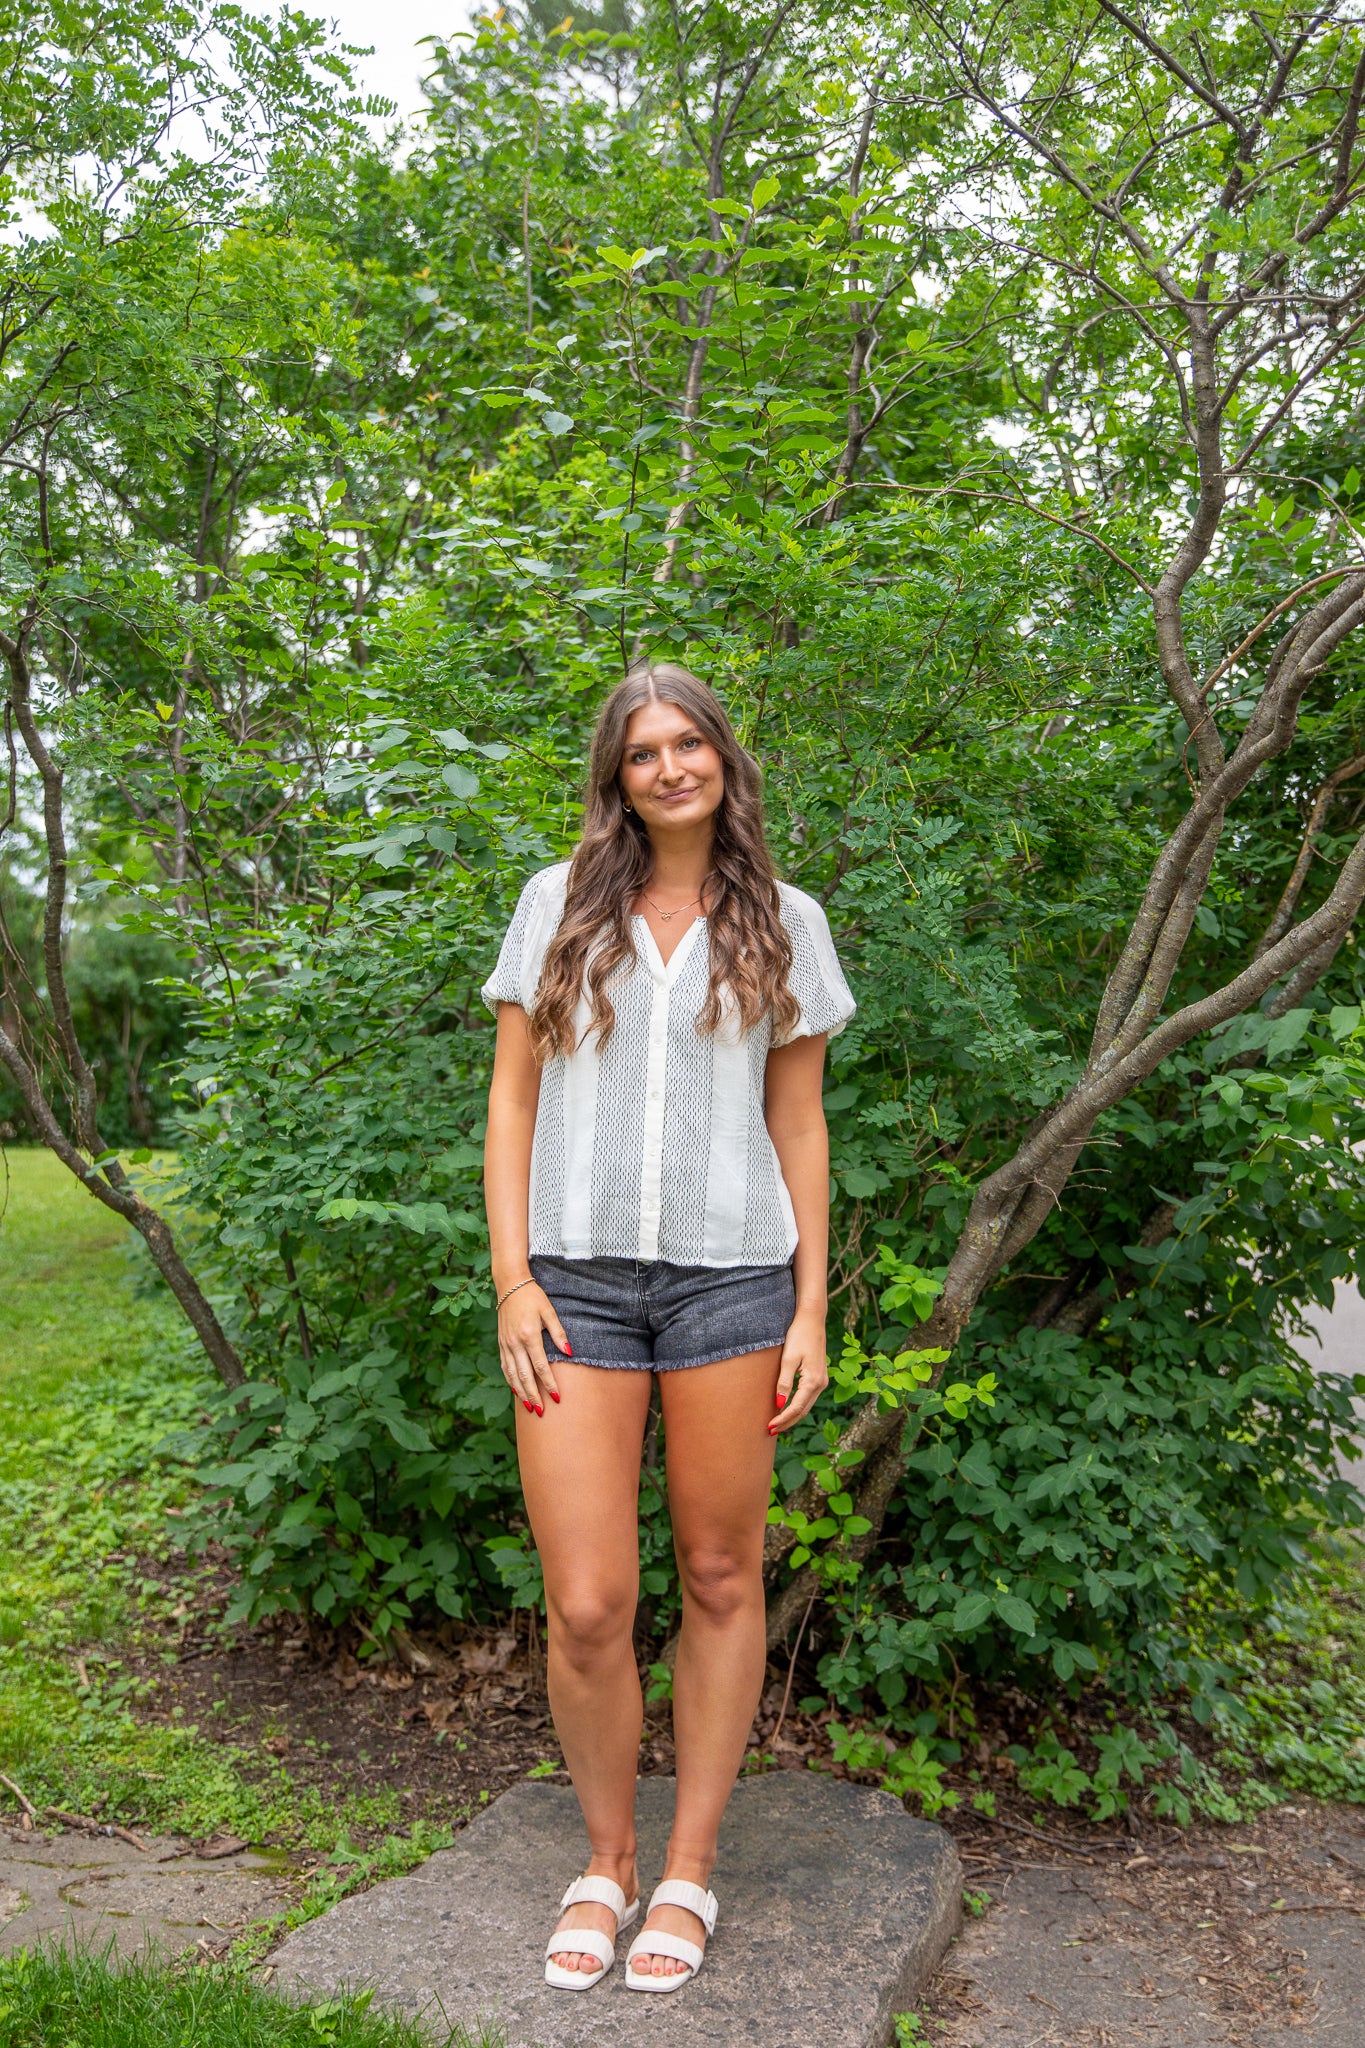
[
  {"x": 1283, "y": 914},
  {"x": 150, "y": 1226},
  {"x": 15, "y": 652}
]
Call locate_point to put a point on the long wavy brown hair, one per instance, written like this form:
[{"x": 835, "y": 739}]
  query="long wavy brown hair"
[{"x": 751, "y": 955}]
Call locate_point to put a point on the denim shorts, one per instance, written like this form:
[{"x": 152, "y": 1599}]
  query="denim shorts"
[{"x": 658, "y": 1318}]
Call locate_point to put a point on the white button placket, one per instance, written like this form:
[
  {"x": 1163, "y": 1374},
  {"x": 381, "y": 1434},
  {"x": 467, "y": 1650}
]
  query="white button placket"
[
  {"x": 652, "y": 1164},
  {"x": 656, "y": 1070}
]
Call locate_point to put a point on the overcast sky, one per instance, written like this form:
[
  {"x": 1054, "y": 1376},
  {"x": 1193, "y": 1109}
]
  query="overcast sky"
[{"x": 395, "y": 27}]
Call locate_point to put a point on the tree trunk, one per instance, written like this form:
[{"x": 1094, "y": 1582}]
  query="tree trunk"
[{"x": 107, "y": 1182}]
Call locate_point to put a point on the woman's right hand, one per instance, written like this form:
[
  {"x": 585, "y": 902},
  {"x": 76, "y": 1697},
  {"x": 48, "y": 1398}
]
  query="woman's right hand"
[{"x": 526, "y": 1313}]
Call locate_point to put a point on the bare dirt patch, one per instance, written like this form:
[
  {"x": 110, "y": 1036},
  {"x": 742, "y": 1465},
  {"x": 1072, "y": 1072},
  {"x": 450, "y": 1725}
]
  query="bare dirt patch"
[{"x": 468, "y": 1725}]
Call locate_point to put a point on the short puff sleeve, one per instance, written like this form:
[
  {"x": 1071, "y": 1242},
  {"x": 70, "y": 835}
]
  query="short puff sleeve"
[
  {"x": 816, "y": 979},
  {"x": 535, "y": 920}
]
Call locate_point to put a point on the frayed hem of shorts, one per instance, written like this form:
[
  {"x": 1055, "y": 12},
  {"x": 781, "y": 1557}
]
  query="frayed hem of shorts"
[{"x": 671, "y": 1364}]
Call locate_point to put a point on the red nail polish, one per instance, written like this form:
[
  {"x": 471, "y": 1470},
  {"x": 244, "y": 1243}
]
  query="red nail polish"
[
  {"x": 527, "y": 1406},
  {"x": 540, "y": 1411},
  {"x": 568, "y": 1348},
  {"x": 553, "y": 1395},
  {"x": 781, "y": 1400}
]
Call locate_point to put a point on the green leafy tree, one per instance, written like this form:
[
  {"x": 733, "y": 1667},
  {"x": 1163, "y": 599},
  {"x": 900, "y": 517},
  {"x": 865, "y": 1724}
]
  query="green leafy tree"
[
  {"x": 966, "y": 399},
  {"x": 125, "y": 144}
]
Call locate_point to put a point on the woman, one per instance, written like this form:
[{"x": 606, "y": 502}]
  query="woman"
[{"x": 657, "y": 1180}]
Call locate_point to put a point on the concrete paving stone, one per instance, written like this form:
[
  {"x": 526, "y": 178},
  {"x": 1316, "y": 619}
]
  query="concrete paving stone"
[
  {"x": 95, "y": 1889},
  {"x": 835, "y": 1907},
  {"x": 1064, "y": 1961},
  {"x": 1051, "y": 1970}
]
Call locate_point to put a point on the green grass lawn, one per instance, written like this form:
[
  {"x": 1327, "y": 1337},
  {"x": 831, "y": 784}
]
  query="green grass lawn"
[
  {"x": 66, "y": 1309},
  {"x": 89, "y": 1384},
  {"x": 95, "y": 1372},
  {"x": 53, "y": 1999}
]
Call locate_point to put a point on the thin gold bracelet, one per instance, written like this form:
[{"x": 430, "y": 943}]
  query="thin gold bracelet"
[{"x": 512, "y": 1290}]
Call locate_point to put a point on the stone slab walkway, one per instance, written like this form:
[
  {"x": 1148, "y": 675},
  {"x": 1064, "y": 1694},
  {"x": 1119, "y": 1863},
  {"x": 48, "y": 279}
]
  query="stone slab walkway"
[
  {"x": 835, "y": 1907},
  {"x": 99, "y": 1889},
  {"x": 1263, "y": 1949}
]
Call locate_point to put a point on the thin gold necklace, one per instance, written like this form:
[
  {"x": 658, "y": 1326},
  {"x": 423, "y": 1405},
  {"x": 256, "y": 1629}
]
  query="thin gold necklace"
[{"x": 669, "y": 915}]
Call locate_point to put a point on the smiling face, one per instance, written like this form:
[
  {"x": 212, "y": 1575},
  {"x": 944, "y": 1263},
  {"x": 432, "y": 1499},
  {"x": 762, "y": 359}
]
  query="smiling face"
[{"x": 670, "y": 772}]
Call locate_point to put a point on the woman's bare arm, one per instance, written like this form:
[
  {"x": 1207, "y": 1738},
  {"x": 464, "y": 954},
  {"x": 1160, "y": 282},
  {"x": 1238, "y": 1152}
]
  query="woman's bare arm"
[
  {"x": 512, "y": 1102},
  {"x": 795, "y": 1115}
]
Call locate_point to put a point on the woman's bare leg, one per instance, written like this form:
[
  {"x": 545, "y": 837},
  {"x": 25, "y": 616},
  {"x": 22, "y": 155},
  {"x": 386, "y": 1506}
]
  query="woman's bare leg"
[
  {"x": 719, "y": 1462},
  {"x": 580, "y": 1473}
]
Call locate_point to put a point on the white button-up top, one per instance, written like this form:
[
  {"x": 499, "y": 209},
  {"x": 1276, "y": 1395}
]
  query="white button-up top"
[{"x": 655, "y": 1146}]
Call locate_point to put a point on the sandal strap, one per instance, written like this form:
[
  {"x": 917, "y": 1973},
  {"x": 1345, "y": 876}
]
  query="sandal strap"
[
  {"x": 654, "y": 1942},
  {"x": 676, "y": 1891},
  {"x": 582, "y": 1941},
  {"x": 595, "y": 1891}
]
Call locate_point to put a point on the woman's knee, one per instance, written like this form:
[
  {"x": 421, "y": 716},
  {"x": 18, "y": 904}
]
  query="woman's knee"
[
  {"x": 721, "y": 1581},
  {"x": 588, "y": 1621}
]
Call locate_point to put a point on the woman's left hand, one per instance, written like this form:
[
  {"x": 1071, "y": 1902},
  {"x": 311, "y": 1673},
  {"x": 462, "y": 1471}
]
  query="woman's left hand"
[{"x": 804, "y": 1373}]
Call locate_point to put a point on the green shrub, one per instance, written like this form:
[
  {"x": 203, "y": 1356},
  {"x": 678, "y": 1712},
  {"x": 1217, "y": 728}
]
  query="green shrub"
[{"x": 1116, "y": 1490}]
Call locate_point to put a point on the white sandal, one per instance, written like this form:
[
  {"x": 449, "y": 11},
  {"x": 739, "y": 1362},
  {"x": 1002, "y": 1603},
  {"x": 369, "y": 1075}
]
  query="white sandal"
[
  {"x": 587, "y": 1941},
  {"x": 674, "y": 1891}
]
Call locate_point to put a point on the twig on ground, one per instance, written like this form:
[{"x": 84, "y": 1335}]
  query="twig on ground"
[
  {"x": 29, "y": 1808},
  {"x": 1176, "y": 1859},
  {"x": 1079, "y": 1846},
  {"x": 84, "y": 1821},
  {"x": 90, "y": 1826},
  {"x": 1008, "y": 1869}
]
